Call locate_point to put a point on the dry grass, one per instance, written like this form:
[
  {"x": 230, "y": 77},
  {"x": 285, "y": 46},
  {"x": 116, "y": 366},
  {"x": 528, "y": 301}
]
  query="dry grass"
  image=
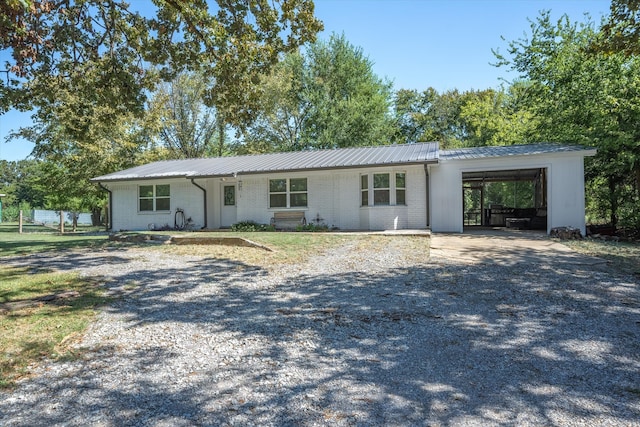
[
  {"x": 32, "y": 328},
  {"x": 286, "y": 248},
  {"x": 621, "y": 256}
]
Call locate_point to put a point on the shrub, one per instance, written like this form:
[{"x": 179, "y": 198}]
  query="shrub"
[
  {"x": 251, "y": 226},
  {"x": 313, "y": 227}
]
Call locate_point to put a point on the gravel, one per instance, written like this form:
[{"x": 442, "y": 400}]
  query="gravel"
[{"x": 357, "y": 336}]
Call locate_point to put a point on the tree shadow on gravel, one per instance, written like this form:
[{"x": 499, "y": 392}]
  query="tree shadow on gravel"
[{"x": 434, "y": 344}]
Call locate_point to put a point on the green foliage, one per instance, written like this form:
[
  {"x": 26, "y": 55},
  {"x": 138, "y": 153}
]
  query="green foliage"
[
  {"x": 326, "y": 97},
  {"x": 106, "y": 50},
  {"x": 462, "y": 119},
  {"x": 12, "y": 212},
  {"x": 621, "y": 32},
  {"x": 585, "y": 97},
  {"x": 187, "y": 127},
  {"x": 250, "y": 226},
  {"x": 313, "y": 227}
]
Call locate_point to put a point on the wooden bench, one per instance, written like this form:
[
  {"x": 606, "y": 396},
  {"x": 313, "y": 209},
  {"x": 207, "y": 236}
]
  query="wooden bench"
[{"x": 289, "y": 220}]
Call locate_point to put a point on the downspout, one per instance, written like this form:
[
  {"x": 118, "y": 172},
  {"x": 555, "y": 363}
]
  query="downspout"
[
  {"x": 428, "y": 190},
  {"x": 204, "y": 192},
  {"x": 110, "y": 208}
]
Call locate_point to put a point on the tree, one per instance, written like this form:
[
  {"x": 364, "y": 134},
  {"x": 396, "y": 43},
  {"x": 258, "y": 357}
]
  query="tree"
[
  {"x": 621, "y": 32},
  {"x": 585, "y": 97},
  {"x": 109, "y": 47},
  {"x": 494, "y": 117},
  {"x": 86, "y": 66},
  {"x": 326, "y": 97},
  {"x": 69, "y": 162},
  {"x": 350, "y": 104},
  {"x": 187, "y": 127}
]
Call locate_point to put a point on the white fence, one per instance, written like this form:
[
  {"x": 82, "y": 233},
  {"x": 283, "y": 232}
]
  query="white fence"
[{"x": 53, "y": 217}]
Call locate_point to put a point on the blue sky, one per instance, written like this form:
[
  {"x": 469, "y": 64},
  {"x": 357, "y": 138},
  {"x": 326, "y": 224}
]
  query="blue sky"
[{"x": 445, "y": 44}]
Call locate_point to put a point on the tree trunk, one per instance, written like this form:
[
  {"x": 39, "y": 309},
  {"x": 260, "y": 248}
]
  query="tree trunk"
[
  {"x": 220, "y": 137},
  {"x": 95, "y": 216}
]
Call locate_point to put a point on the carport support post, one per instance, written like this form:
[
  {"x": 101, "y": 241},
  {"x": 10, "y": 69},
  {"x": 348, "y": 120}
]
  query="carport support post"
[
  {"x": 20, "y": 222},
  {"x": 61, "y": 222},
  {"x": 1, "y": 196}
]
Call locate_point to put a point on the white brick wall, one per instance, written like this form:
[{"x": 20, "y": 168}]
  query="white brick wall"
[
  {"x": 334, "y": 196},
  {"x": 125, "y": 205}
]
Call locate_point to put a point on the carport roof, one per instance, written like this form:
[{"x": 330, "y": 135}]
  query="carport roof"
[
  {"x": 385, "y": 155},
  {"x": 511, "y": 150}
]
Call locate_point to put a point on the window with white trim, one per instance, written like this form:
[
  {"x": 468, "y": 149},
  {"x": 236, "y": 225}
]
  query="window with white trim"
[
  {"x": 153, "y": 198},
  {"x": 364, "y": 190},
  {"x": 401, "y": 188},
  {"x": 388, "y": 189},
  {"x": 288, "y": 193}
]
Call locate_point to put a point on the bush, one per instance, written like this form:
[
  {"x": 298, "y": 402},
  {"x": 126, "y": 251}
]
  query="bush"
[
  {"x": 313, "y": 227},
  {"x": 10, "y": 213},
  {"x": 251, "y": 226}
]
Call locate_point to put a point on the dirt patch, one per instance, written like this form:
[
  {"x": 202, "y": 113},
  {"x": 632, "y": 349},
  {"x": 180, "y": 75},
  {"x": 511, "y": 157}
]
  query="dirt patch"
[
  {"x": 506, "y": 248},
  {"x": 187, "y": 240}
]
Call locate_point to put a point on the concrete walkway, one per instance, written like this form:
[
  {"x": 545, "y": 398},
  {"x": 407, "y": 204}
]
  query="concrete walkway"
[{"x": 505, "y": 247}]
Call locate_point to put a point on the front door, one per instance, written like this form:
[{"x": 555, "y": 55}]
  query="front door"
[{"x": 228, "y": 205}]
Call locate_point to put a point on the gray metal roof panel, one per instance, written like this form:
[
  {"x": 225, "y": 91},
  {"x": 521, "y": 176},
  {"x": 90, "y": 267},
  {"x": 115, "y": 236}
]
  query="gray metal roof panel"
[
  {"x": 282, "y": 162},
  {"x": 510, "y": 150}
]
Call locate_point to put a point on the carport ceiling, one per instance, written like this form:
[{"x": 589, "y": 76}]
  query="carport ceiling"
[{"x": 502, "y": 176}]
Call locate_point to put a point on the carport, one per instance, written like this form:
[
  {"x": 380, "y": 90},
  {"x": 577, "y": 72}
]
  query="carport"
[
  {"x": 505, "y": 198},
  {"x": 541, "y": 186}
]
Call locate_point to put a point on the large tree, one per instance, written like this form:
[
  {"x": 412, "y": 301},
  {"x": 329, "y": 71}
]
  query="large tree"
[
  {"x": 326, "y": 97},
  {"x": 186, "y": 126},
  {"x": 585, "y": 97},
  {"x": 109, "y": 47},
  {"x": 85, "y": 67}
]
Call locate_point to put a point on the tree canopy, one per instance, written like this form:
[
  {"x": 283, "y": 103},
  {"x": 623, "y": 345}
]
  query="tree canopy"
[
  {"x": 112, "y": 54},
  {"x": 325, "y": 97},
  {"x": 585, "y": 97}
]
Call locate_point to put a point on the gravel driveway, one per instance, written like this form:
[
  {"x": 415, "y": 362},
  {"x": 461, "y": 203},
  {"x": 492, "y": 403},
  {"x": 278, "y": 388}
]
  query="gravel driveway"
[{"x": 363, "y": 335}]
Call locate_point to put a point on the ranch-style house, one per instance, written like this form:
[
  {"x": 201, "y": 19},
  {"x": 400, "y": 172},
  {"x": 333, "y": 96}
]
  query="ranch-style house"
[{"x": 412, "y": 186}]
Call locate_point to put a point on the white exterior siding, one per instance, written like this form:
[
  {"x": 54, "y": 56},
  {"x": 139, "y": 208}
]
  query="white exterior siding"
[
  {"x": 566, "y": 194},
  {"x": 126, "y": 215},
  {"x": 565, "y": 187},
  {"x": 334, "y": 197}
]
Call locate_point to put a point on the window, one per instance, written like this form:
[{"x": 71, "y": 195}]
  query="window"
[
  {"x": 381, "y": 189},
  {"x": 388, "y": 189},
  {"x": 154, "y": 198},
  {"x": 229, "y": 195},
  {"x": 288, "y": 193},
  {"x": 400, "y": 189},
  {"x": 364, "y": 190}
]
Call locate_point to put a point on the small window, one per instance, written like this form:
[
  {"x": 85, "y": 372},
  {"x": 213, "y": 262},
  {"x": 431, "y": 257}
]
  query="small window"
[
  {"x": 285, "y": 193},
  {"x": 364, "y": 190},
  {"x": 229, "y": 195},
  {"x": 154, "y": 198},
  {"x": 400, "y": 189},
  {"x": 381, "y": 189}
]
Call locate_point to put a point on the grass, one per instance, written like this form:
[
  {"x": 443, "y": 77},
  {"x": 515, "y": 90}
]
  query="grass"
[
  {"x": 287, "y": 248},
  {"x": 621, "y": 256},
  {"x": 42, "y": 239},
  {"x": 32, "y": 329}
]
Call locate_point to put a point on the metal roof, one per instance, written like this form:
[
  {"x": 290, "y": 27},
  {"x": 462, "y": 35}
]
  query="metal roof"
[
  {"x": 511, "y": 150},
  {"x": 421, "y": 153}
]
